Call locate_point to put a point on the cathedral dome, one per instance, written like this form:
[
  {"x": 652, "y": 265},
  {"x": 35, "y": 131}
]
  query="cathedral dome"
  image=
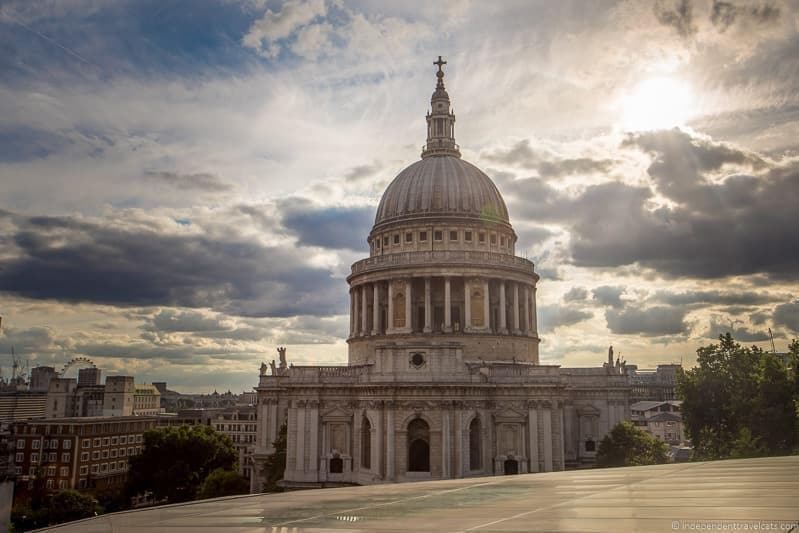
[{"x": 441, "y": 186}]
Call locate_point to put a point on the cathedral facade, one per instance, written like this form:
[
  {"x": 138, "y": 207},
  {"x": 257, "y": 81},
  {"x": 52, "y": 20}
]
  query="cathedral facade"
[{"x": 443, "y": 378}]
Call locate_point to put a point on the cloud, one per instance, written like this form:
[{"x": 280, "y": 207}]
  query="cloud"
[
  {"x": 714, "y": 297},
  {"x": 104, "y": 261},
  {"x": 277, "y": 25},
  {"x": 361, "y": 172},
  {"x": 650, "y": 322},
  {"x": 787, "y": 315},
  {"x": 740, "y": 334},
  {"x": 725, "y": 14},
  {"x": 175, "y": 320},
  {"x": 576, "y": 294},
  {"x": 547, "y": 165},
  {"x": 676, "y": 14},
  {"x": 203, "y": 182},
  {"x": 609, "y": 296},
  {"x": 328, "y": 227},
  {"x": 551, "y": 317}
]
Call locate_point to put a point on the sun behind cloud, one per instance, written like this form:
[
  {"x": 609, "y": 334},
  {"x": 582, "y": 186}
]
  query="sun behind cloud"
[{"x": 657, "y": 103}]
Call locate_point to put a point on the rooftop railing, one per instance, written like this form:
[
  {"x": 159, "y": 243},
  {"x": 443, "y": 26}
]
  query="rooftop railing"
[{"x": 447, "y": 257}]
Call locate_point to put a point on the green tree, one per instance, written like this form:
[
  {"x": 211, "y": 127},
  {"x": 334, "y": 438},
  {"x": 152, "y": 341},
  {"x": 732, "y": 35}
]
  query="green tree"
[
  {"x": 746, "y": 445},
  {"x": 275, "y": 463},
  {"x": 735, "y": 388},
  {"x": 222, "y": 482},
  {"x": 627, "y": 445},
  {"x": 64, "y": 506},
  {"x": 176, "y": 460}
]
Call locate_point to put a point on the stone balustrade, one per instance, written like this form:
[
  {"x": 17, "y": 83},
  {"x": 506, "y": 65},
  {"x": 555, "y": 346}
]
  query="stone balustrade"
[{"x": 443, "y": 257}]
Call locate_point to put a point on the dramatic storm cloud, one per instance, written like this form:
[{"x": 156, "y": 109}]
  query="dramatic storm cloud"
[{"x": 184, "y": 187}]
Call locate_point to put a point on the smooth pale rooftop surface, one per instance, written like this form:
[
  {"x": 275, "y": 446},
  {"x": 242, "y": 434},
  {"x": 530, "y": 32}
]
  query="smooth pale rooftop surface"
[{"x": 649, "y": 498}]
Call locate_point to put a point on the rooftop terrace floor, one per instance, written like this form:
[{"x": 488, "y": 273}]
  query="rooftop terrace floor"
[{"x": 732, "y": 495}]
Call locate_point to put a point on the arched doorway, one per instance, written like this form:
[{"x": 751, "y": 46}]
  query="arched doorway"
[
  {"x": 511, "y": 467},
  {"x": 475, "y": 435},
  {"x": 336, "y": 465},
  {"x": 418, "y": 446}
]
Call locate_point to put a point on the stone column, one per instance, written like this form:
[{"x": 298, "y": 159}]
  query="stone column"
[
  {"x": 408, "y": 310},
  {"x": 547, "y": 413},
  {"x": 486, "y": 306},
  {"x": 313, "y": 454},
  {"x": 376, "y": 308},
  {"x": 532, "y": 426},
  {"x": 301, "y": 438},
  {"x": 445, "y": 463},
  {"x": 390, "y": 318},
  {"x": 390, "y": 444},
  {"x": 274, "y": 425},
  {"x": 527, "y": 309},
  {"x": 447, "y": 306},
  {"x": 459, "y": 467},
  {"x": 562, "y": 438},
  {"x": 428, "y": 319},
  {"x": 516, "y": 330},
  {"x": 503, "y": 322},
  {"x": 467, "y": 306},
  {"x": 364, "y": 311},
  {"x": 534, "y": 317},
  {"x": 352, "y": 313}
]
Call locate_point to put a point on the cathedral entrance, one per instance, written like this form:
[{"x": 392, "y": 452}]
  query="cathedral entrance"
[
  {"x": 419, "y": 446},
  {"x": 511, "y": 467}
]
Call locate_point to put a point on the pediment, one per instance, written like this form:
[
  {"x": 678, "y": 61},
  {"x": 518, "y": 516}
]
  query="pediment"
[
  {"x": 337, "y": 413},
  {"x": 509, "y": 414},
  {"x": 588, "y": 410}
]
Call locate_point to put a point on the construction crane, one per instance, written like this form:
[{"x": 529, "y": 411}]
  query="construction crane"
[{"x": 771, "y": 335}]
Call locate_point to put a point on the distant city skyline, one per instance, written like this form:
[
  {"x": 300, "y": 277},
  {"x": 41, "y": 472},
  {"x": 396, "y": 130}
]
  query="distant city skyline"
[{"x": 184, "y": 186}]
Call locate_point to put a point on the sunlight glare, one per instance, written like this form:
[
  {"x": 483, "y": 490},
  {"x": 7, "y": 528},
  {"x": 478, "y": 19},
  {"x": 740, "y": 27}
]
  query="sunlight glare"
[{"x": 657, "y": 103}]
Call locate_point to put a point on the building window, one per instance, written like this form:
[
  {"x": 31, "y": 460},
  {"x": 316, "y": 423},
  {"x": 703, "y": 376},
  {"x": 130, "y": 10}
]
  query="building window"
[
  {"x": 122, "y": 452},
  {"x": 95, "y": 455},
  {"x": 113, "y": 441},
  {"x": 130, "y": 451},
  {"x": 438, "y": 235},
  {"x": 377, "y": 244},
  {"x": 20, "y": 443},
  {"x": 138, "y": 438},
  {"x": 493, "y": 238},
  {"x": 423, "y": 236},
  {"x": 502, "y": 241},
  {"x": 95, "y": 469},
  {"x": 64, "y": 471},
  {"x": 106, "y": 441},
  {"x": 84, "y": 470},
  {"x": 65, "y": 457},
  {"x": 67, "y": 444},
  {"x": 52, "y": 457},
  {"x": 19, "y": 457},
  {"x": 51, "y": 471},
  {"x": 123, "y": 439},
  {"x": 87, "y": 443},
  {"x": 104, "y": 467},
  {"x": 50, "y": 483},
  {"x": 97, "y": 443},
  {"x": 385, "y": 241},
  {"x": 81, "y": 483},
  {"x": 453, "y": 235},
  {"x": 113, "y": 454},
  {"x": 105, "y": 454},
  {"x": 481, "y": 237},
  {"x": 396, "y": 238},
  {"x": 408, "y": 236},
  {"x": 32, "y": 471},
  {"x": 54, "y": 444},
  {"x": 467, "y": 236},
  {"x": 590, "y": 446},
  {"x": 35, "y": 444}
]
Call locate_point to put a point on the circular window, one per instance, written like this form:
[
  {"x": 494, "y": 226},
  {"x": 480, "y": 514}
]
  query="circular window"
[{"x": 417, "y": 360}]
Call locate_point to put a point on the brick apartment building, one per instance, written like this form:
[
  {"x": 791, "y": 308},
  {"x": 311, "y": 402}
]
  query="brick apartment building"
[{"x": 89, "y": 453}]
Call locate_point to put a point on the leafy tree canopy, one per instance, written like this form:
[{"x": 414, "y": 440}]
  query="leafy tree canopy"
[
  {"x": 222, "y": 482},
  {"x": 176, "y": 460},
  {"x": 64, "y": 506},
  {"x": 627, "y": 445},
  {"x": 739, "y": 401},
  {"x": 275, "y": 463}
]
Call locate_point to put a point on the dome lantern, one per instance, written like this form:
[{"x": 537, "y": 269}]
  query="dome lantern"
[{"x": 440, "y": 120}]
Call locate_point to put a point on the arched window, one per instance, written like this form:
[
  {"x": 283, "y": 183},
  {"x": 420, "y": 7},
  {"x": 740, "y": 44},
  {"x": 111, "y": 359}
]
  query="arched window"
[
  {"x": 418, "y": 446},
  {"x": 366, "y": 443},
  {"x": 511, "y": 467},
  {"x": 475, "y": 457}
]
